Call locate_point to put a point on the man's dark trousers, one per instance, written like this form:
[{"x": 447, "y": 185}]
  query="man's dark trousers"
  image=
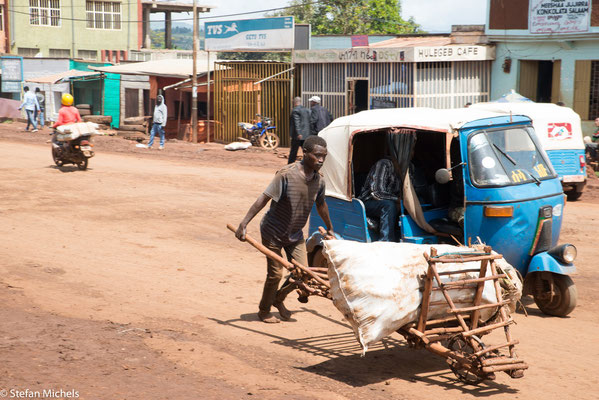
[
  {"x": 295, "y": 145},
  {"x": 386, "y": 211}
]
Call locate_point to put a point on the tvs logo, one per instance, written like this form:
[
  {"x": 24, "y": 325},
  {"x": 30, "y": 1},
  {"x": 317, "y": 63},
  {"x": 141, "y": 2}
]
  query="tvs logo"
[{"x": 559, "y": 130}]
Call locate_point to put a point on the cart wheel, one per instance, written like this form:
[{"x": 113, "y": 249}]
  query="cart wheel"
[
  {"x": 269, "y": 140},
  {"x": 317, "y": 259},
  {"x": 563, "y": 300},
  {"x": 462, "y": 348}
]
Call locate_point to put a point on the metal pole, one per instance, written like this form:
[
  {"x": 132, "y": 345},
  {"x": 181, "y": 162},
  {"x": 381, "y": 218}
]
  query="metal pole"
[
  {"x": 208, "y": 102},
  {"x": 194, "y": 87}
]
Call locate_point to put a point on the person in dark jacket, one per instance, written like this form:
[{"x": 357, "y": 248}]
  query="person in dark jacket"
[
  {"x": 320, "y": 118},
  {"x": 299, "y": 128}
]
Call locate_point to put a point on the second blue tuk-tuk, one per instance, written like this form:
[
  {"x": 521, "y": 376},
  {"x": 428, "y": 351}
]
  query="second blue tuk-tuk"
[{"x": 511, "y": 196}]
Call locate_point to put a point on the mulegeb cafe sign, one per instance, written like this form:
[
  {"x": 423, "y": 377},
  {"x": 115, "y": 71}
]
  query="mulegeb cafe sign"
[{"x": 559, "y": 16}]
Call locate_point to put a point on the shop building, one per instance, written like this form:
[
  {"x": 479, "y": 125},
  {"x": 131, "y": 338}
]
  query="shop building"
[
  {"x": 548, "y": 51},
  {"x": 440, "y": 71}
]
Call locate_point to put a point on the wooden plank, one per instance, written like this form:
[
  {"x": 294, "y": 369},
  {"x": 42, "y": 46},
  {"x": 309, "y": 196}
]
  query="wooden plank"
[
  {"x": 488, "y": 328},
  {"x": 474, "y": 280},
  {"x": 499, "y": 368},
  {"x": 478, "y": 295},
  {"x": 496, "y": 347},
  {"x": 478, "y": 308},
  {"x": 500, "y": 361},
  {"x": 466, "y": 258},
  {"x": 426, "y": 297}
]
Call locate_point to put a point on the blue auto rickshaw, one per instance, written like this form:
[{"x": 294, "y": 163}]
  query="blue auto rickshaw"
[{"x": 511, "y": 195}]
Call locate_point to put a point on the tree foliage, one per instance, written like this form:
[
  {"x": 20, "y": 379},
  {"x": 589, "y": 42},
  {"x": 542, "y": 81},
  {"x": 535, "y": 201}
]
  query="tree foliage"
[{"x": 352, "y": 17}]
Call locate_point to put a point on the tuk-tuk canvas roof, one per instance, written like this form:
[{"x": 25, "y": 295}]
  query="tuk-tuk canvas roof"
[
  {"x": 339, "y": 133},
  {"x": 549, "y": 121}
]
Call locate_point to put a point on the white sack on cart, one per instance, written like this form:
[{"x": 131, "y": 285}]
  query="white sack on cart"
[
  {"x": 376, "y": 286},
  {"x": 76, "y": 130}
]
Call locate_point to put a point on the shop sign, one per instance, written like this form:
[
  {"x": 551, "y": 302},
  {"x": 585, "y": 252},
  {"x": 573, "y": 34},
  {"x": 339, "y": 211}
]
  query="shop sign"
[
  {"x": 407, "y": 54},
  {"x": 250, "y": 34},
  {"x": 559, "y": 16}
]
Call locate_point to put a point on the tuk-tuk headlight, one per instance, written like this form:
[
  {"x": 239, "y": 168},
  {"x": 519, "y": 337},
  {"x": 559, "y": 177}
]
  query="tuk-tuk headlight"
[
  {"x": 569, "y": 254},
  {"x": 566, "y": 253}
]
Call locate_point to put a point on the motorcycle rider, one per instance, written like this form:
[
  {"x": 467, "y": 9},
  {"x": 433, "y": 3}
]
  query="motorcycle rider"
[{"x": 67, "y": 113}]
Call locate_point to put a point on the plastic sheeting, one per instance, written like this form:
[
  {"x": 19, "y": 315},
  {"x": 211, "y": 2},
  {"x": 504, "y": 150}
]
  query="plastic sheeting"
[{"x": 377, "y": 286}]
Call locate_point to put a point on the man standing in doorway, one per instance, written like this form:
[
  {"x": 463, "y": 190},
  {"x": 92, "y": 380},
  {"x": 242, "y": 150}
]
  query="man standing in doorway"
[
  {"x": 292, "y": 193},
  {"x": 31, "y": 106},
  {"x": 320, "y": 118},
  {"x": 299, "y": 128},
  {"x": 41, "y": 100},
  {"x": 158, "y": 122}
]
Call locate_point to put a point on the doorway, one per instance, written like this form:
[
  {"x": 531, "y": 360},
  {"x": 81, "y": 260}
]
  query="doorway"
[
  {"x": 131, "y": 103},
  {"x": 540, "y": 80},
  {"x": 357, "y": 95}
]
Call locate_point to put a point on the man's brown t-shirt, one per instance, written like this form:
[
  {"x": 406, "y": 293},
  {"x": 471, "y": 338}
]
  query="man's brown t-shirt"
[{"x": 292, "y": 199}]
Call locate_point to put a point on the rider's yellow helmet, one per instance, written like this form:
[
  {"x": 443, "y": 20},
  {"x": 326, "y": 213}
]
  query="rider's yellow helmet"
[{"x": 67, "y": 99}]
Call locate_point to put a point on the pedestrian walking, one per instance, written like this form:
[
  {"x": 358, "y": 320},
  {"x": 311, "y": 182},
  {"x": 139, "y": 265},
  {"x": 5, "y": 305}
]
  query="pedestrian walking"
[
  {"x": 292, "y": 193},
  {"x": 320, "y": 116},
  {"x": 299, "y": 128},
  {"x": 41, "y": 100},
  {"x": 158, "y": 122},
  {"x": 31, "y": 106}
]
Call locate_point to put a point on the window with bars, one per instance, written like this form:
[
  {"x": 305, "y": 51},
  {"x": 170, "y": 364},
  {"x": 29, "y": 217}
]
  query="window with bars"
[
  {"x": 103, "y": 14},
  {"x": 60, "y": 53},
  {"x": 88, "y": 54},
  {"x": 27, "y": 51},
  {"x": 44, "y": 12}
]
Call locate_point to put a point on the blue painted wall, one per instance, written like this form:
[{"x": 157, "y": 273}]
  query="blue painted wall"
[{"x": 112, "y": 91}]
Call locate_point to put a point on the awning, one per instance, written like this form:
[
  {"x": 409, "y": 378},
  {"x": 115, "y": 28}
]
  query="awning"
[
  {"x": 66, "y": 76},
  {"x": 179, "y": 68}
]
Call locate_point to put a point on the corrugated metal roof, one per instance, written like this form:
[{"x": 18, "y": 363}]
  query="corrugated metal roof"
[
  {"x": 176, "y": 68},
  {"x": 63, "y": 76}
]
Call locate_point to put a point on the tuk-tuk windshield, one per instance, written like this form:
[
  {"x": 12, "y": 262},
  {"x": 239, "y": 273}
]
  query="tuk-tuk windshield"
[{"x": 504, "y": 157}]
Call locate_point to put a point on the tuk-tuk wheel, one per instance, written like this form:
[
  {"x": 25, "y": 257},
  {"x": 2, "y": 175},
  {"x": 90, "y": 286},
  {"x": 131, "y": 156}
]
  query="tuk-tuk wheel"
[
  {"x": 564, "y": 296},
  {"x": 573, "y": 195}
]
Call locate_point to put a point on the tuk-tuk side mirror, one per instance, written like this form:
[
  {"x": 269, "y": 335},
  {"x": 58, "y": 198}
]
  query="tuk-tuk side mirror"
[{"x": 442, "y": 176}]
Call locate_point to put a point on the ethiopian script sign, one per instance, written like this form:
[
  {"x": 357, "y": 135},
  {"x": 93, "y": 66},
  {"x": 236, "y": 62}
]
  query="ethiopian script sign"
[{"x": 559, "y": 16}]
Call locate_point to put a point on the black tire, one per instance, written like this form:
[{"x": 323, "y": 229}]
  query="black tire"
[
  {"x": 563, "y": 301},
  {"x": 573, "y": 195},
  {"x": 56, "y": 158},
  {"x": 317, "y": 259},
  {"x": 82, "y": 165},
  {"x": 269, "y": 140}
]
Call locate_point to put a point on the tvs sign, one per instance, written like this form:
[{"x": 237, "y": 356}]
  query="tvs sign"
[{"x": 250, "y": 34}]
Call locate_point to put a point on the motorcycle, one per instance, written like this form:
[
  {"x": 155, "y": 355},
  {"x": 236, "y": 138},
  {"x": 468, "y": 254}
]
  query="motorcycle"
[
  {"x": 260, "y": 133},
  {"x": 72, "y": 148}
]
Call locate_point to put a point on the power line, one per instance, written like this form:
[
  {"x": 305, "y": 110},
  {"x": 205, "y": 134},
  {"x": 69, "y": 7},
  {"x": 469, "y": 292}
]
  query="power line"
[{"x": 172, "y": 20}]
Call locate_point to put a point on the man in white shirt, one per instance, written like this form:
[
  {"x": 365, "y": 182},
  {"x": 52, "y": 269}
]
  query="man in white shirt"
[{"x": 31, "y": 107}]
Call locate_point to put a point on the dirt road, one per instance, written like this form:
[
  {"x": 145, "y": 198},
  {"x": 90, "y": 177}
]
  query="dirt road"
[{"x": 121, "y": 282}]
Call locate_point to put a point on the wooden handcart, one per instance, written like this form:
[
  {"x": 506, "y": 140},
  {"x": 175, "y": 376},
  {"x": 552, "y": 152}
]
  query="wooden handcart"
[{"x": 455, "y": 336}]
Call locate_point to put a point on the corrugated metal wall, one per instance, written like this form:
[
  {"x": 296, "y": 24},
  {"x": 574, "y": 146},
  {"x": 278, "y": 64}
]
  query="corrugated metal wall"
[
  {"x": 238, "y": 99},
  {"x": 405, "y": 84}
]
